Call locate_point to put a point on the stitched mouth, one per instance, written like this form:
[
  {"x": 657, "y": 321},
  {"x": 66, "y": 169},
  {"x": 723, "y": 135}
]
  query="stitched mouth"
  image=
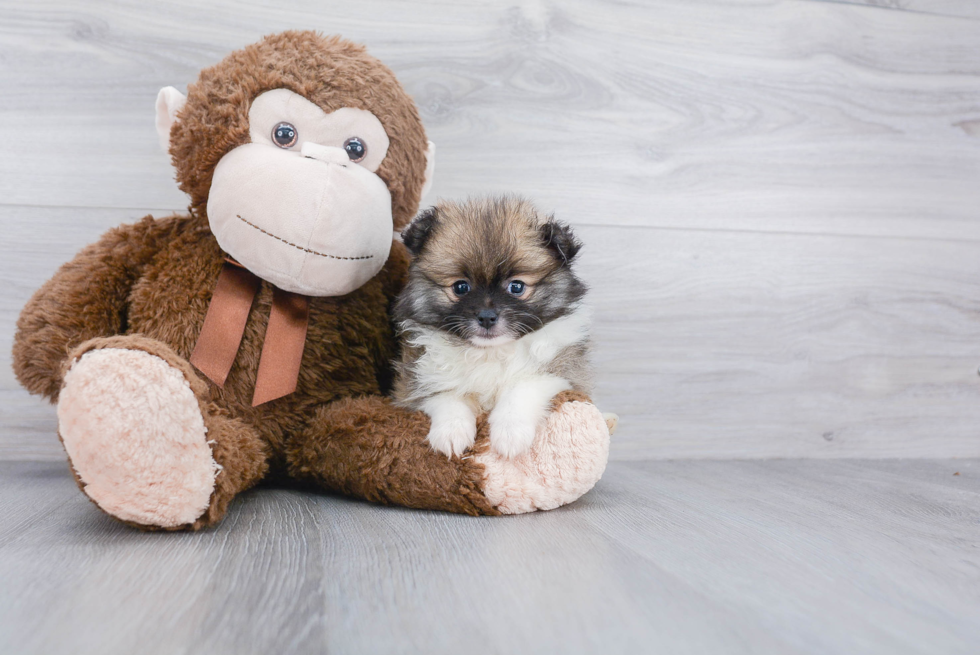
[{"x": 298, "y": 247}]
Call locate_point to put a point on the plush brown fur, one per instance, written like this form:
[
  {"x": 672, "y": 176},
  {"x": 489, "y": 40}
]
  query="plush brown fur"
[
  {"x": 147, "y": 286},
  {"x": 159, "y": 296},
  {"x": 377, "y": 455}
]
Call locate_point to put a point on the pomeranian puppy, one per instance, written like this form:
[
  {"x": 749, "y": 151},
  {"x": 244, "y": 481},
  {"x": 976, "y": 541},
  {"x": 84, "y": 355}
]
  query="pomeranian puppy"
[{"x": 490, "y": 320}]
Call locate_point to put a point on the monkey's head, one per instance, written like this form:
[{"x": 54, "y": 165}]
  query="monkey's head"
[{"x": 305, "y": 153}]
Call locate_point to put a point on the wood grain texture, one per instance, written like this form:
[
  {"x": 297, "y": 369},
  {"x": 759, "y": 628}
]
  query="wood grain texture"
[
  {"x": 673, "y": 557},
  {"x": 958, "y": 8},
  {"x": 788, "y": 116},
  {"x": 718, "y": 344},
  {"x": 779, "y": 199},
  {"x": 709, "y": 343}
]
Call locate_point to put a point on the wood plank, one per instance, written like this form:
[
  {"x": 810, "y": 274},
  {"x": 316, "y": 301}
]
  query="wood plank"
[
  {"x": 959, "y": 8},
  {"x": 709, "y": 344},
  {"x": 719, "y": 345},
  {"x": 785, "y": 116},
  {"x": 726, "y": 557}
]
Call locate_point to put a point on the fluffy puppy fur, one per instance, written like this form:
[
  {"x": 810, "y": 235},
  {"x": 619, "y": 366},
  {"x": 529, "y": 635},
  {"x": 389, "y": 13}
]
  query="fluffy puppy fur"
[{"x": 491, "y": 320}]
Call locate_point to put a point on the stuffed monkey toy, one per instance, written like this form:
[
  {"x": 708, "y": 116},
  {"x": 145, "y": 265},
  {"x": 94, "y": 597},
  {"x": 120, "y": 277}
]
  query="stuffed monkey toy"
[{"x": 250, "y": 339}]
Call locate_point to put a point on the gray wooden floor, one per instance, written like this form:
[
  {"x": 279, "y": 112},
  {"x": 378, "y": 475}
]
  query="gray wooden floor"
[{"x": 796, "y": 556}]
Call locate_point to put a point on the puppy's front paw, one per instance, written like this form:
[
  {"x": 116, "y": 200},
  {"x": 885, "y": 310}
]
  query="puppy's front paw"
[
  {"x": 511, "y": 435},
  {"x": 452, "y": 435}
]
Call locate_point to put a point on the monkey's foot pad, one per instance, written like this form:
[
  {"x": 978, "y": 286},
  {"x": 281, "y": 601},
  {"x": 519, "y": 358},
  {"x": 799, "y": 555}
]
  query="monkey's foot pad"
[
  {"x": 568, "y": 457},
  {"x": 135, "y": 435}
]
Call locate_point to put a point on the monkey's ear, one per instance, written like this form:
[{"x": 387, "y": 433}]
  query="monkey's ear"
[
  {"x": 559, "y": 238},
  {"x": 169, "y": 102},
  {"x": 415, "y": 236},
  {"x": 430, "y": 168}
]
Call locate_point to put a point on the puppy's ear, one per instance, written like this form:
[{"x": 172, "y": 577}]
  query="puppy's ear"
[
  {"x": 416, "y": 234},
  {"x": 560, "y": 240}
]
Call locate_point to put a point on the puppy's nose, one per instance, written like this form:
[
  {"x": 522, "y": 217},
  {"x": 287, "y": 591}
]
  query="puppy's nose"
[
  {"x": 329, "y": 154},
  {"x": 487, "y": 318}
]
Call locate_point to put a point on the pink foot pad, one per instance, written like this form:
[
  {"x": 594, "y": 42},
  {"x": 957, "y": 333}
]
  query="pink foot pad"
[
  {"x": 567, "y": 459},
  {"x": 135, "y": 435}
]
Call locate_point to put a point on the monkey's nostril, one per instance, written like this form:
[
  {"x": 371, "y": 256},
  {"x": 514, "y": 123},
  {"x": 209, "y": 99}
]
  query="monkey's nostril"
[{"x": 487, "y": 318}]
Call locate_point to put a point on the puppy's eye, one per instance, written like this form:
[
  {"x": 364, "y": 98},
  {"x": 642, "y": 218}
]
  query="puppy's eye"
[
  {"x": 356, "y": 149},
  {"x": 461, "y": 287},
  {"x": 284, "y": 135},
  {"x": 516, "y": 288}
]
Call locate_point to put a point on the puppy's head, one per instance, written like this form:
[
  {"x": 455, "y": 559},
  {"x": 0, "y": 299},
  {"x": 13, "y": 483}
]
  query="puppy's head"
[{"x": 489, "y": 270}]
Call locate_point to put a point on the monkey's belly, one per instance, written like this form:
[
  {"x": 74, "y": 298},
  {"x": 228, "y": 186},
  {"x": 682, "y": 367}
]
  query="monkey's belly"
[{"x": 347, "y": 340}]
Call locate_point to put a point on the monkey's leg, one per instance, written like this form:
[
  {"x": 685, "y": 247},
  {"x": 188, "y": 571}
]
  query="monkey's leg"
[
  {"x": 144, "y": 442},
  {"x": 368, "y": 448}
]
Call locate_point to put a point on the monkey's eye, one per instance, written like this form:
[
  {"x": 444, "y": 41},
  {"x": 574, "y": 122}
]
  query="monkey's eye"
[
  {"x": 356, "y": 148},
  {"x": 284, "y": 135},
  {"x": 516, "y": 288},
  {"x": 461, "y": 287}
]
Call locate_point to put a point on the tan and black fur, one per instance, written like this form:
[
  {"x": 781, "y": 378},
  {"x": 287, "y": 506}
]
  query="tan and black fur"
[
  {"x": 489, "y": 241},
  {"x": 470, "y": 335}
]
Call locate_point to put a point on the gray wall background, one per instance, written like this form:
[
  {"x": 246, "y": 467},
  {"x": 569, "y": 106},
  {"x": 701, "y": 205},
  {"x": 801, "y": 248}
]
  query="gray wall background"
[{"x": 779, "y": 199}]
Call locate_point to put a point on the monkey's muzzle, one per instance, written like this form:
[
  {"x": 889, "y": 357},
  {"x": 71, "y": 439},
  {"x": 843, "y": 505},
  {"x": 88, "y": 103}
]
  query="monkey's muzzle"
[{"x": 315, "y": 224}]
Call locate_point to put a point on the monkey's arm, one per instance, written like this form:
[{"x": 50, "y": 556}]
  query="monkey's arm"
[
  {"x": 369, "y": 448},
  {"x": 86, "y": 298}
]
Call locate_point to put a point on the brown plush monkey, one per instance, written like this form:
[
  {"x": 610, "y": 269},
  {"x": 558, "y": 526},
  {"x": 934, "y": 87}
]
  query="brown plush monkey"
[{"x": 195, "y": 355}]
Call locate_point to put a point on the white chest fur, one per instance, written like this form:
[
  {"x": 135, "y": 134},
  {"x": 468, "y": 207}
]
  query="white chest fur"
[{"x": 482, "y": 373}]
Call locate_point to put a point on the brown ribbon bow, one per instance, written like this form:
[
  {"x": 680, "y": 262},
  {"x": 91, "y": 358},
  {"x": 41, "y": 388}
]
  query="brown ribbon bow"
[{"x": 224, "y": 327}]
